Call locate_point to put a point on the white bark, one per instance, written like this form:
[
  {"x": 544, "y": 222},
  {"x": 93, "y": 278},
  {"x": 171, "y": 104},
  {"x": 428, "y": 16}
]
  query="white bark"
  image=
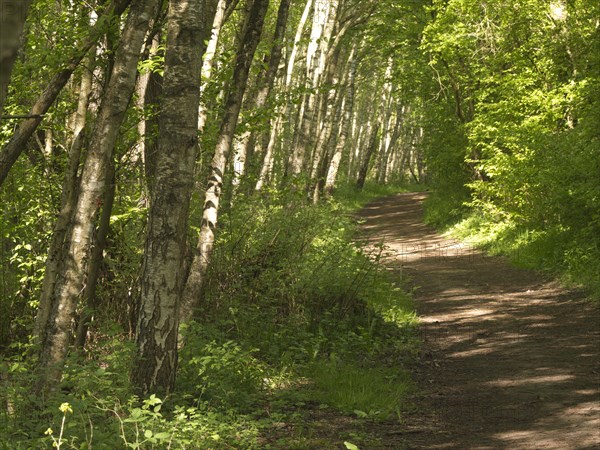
[
  {"x": 163, "y": 269},
  {"x": 249, "y": 42},
  {"x": 58, "y": 335}
]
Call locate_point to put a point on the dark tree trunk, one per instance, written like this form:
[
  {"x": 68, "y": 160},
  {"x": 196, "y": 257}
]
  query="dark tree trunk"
[
  {"x": 12, "y": 20},
  {"x": 364, "y": 168}
]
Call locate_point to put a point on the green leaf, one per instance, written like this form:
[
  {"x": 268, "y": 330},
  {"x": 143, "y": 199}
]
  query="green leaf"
[
  {"x": 350, "y": 446},
  {"x": 163, "y": 436}
]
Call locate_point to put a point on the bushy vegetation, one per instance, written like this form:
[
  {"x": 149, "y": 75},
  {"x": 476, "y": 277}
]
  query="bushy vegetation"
[
  {"x": 297, "y": 315},
  {"x": 520, "y": 162}
]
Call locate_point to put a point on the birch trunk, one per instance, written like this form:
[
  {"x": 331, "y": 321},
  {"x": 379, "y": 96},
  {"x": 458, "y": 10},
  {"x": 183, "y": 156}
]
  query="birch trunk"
[
  {"x": 149, "y": 92},
  {"x": 163, "y": 264},
  {"x": 334, "y": 164},
  {"x": 69, "y": 286},
  {"x": 315, "y": 66},
  {"x": 267, "y": 166},
  {"x": 330, "y": 113},
  {"x": 386, "y": 108},
  {"x": 392, "y": 140},
  {"x": 90, "y": 303},
  {"x": 246, "y": 141},
  {"x": 364, "y": 167},
  {"x": 68, "y": 200},
  {"x": 209, "y": 58},
  {"x": 250, "y": 38}
]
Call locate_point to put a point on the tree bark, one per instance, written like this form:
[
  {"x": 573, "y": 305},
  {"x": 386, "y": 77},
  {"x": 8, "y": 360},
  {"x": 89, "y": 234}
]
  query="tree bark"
[
  {"x": 90, "y": 300},
  {"x": 364, "y": 168},
  {"x": 149, "y": 91},
  {"x": 330, "y": 113},
  {"x": 71, "y": 282},
  {"x": 315, "y": 63},
  {"x": 246, "y": 141},
  {"x": 393, "y": 134},
  {"x": 334, "y": 164},
  {"x": 268, "y": 161},
  {"x": 209, "y": 57},
  {"x": 13, "y": 15},
  {"x": 163, "y": 264},
  {"x": 68, "y": 200},
  {"x": 249, "y": 42}
]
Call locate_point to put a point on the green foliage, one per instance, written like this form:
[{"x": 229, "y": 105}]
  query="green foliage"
[
  {"x": 445, "y": 151},
  {"x": 290, "y": 298},
  {"x": 26, "y": 220},
  {"x": 374, "y": 393},
  {"x": 529, "y": 125},
  {"x": 219, "y": 374}
]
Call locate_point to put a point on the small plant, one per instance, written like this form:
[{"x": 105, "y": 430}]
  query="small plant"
[{"x": 65, "y": 408}]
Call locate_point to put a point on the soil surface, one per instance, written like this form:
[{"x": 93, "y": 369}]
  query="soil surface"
[{"x": 510, "y": 359}]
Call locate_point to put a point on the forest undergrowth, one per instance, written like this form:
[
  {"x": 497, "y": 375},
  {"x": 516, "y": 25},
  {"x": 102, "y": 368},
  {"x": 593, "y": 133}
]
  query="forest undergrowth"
[{"x": 297, "y": 317}]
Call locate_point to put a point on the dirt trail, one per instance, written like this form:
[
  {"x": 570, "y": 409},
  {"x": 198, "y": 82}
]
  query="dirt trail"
[{"x": 510, "y": 360}]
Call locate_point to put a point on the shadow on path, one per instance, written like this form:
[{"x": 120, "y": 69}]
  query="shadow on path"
[{"x": 510, "y": 360}]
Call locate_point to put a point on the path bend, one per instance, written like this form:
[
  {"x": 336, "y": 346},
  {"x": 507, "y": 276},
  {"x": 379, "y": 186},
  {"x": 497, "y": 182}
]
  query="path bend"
[{"x": 510, "y": 359}]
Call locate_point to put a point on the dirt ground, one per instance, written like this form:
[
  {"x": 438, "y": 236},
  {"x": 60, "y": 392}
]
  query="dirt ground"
[{"x": 510, "y": 359}]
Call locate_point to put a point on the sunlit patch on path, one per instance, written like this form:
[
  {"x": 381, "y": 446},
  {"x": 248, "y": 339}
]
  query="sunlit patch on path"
[{"x": 510, "y": 360}]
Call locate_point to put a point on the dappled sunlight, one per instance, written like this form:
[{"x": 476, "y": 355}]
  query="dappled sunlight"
[
  {"x": 510, "y": 357},
  {"x": 528, "y": 381}
]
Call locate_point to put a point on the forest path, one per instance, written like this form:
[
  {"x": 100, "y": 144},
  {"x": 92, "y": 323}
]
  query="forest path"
[{"x": 510, "y": 360}]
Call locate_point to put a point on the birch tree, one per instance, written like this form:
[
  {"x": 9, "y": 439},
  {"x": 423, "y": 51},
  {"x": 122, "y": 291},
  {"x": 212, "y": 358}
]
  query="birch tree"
[
  {"x": 223, "y": 11},
  {"x": 250, "y": 38},
  {"x": 11, "y": 151},
  {"x": 265, "y": 86},
  {"x": 58, "y": 329},
  {"x": 163, "y": 272},
  {"x": 282, "y": 113},
  {"x": 315, "y": 65},
  {"x": 334, "y": 164}
]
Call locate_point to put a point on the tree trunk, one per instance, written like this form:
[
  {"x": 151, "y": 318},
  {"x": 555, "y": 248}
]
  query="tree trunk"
[
  {"x": 162, "y": 273},
  {"x": 149, "y": 91},
  {"x": 209, "y": 57},
  {"x": 268, "y": 161},
  {"x": 386, "y": 109},
  {"x": 364, "y": 168},
  {"x": 12, "y": 20},
  {"x": 334, "y": 164},
  {"x": 315, "y": 64},
  {"x": 69, "y": 286},
  {"x": 392, "y": 140},
  {"x": 246, "y": 141},
  {"x": 249, "y": 42},
  {"x": 90, "y": 303},
  {"x": 68, "y": 200},
  {"x": 331, "y": 111}
]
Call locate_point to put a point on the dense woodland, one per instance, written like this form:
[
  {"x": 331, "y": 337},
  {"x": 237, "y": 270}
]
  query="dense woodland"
[{"x": 179, "y": 265}]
